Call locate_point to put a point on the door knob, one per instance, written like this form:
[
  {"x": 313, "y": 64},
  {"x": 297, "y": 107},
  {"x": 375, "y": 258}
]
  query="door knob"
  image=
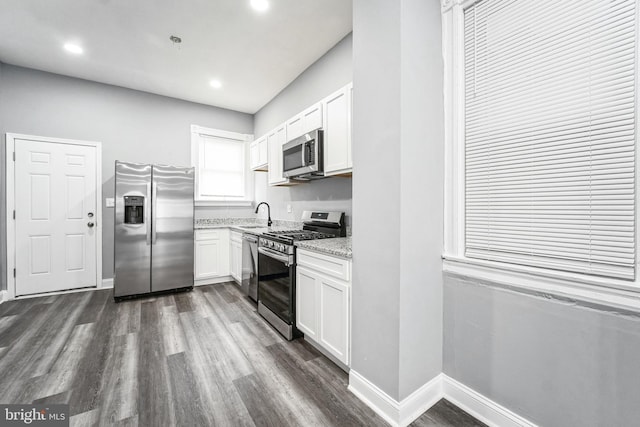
[
  {"x": 90, "y": 214},
  {"x": 90, "y": 224}
]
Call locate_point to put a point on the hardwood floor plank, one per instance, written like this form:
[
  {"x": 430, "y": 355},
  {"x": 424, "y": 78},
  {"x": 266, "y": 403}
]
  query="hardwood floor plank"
[
  {"x": 154, "y": 391},
  {"x": 62, "y": 397},
  {"x": 335, "y": 381},
  {"x": 19, "y": 306},
  {"x": 446, "y": 414},
  {"x": 295, "y": 407},
  {"x": 61, "y": 376},
  {"x": 128, "y": 317},
  {"x": 183, "y": 302},
  {"x": 90, "y": 369},
  {"x": 25, "y": 329},
  {"x": 6, "y": 322},
  {"x": 187, "y": 403},
  {"x": 27, "y": 341},
  {"x": 215, "y": 382},
  {"x": 84, "y": 419},
  {"x": 332, "y": 407},
  {"x": 56, "y": 332},
  {"x": 118, "y": 388},
  {"x": 259, "y": 402},
  {"x": 95, "y": 306},
  {"x": 171, "y": 330}
]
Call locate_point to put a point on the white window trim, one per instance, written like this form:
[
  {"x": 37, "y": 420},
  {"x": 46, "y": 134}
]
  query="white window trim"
[
  {"x": 611, "y": 292},
  {"x": 196, "y": 132}
]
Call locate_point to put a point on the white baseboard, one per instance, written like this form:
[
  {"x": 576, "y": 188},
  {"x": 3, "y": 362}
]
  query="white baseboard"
[
  {"x": 107, "y": 283},
  {"x": 481, "y": 407},
  {"x": 403, "y": 413},
  {"x": 4, "y": 296},
  {"x": 398, "y": 414},
  {"x": 213, "y": 281}
]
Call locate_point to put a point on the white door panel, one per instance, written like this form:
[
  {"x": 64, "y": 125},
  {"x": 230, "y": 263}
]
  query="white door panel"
[{"x": 55, "y": 200}]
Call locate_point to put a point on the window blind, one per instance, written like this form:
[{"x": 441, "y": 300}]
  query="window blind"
[
  {"x": 221, "y": 168},
  {"x": 550, "y": 134}
]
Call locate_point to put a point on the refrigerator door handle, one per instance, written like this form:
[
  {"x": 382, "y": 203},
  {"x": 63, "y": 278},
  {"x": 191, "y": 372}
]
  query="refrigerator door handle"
[
  {"x": 154, "y": 198},
  {"x": 148, "y": 214}
]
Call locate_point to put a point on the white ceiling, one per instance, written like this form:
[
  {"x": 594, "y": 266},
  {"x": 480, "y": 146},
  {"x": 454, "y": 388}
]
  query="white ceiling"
[{"x": 126, "y": 43}]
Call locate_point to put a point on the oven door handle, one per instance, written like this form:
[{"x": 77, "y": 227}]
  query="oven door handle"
[{"x": 275, "y": 255}]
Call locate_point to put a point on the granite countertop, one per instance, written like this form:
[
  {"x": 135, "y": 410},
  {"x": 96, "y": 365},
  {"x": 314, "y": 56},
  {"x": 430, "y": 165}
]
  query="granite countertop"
[
  {"x": 256, "y": 226},
  {"x": 339, "y": 246}
]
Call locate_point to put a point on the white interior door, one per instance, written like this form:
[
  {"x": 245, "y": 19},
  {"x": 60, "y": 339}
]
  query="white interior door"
[{"x": 55, "y": 204}]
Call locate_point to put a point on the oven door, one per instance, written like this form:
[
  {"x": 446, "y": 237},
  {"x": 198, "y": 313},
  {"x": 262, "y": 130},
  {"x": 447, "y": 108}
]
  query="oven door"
[{"x": 276, "y": 275}]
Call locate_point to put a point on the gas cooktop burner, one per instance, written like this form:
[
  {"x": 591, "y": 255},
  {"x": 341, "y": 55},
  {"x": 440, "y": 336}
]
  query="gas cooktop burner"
[{"x": 298, "y": 235}]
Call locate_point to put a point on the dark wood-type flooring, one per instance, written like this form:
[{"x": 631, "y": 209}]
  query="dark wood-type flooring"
[{"x": 200, "y": 358}]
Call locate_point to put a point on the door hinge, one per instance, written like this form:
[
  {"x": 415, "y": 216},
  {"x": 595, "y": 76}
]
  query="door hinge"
[
  {"x": 14, "y": 156},
  {"x": 14, "y": 214},
  {"x": 14, "y": 272}
]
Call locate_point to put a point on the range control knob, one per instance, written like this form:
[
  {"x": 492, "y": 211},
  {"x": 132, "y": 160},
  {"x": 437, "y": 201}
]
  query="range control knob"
[
  {"x": 281, "y": 247},
  {"x": 271, "y": 244}
]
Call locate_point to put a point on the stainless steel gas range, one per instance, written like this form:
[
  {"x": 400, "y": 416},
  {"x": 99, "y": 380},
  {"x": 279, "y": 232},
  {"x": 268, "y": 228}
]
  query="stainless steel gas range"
[{"x": 277, "y": 267}]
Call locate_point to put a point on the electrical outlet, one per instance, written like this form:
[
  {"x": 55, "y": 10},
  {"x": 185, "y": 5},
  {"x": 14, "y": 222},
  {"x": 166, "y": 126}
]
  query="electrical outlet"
[
  {"x": 109, "y": 202},
  {"x": 289, "y": 210}
]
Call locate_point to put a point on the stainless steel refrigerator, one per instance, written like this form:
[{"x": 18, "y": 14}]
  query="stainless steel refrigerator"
[{"x": 153, "y": 239}]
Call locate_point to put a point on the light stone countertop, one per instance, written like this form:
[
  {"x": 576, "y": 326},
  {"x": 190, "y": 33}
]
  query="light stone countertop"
[
  {"x": 238, "y": 224},
  {"x": 339, "y": 246}
]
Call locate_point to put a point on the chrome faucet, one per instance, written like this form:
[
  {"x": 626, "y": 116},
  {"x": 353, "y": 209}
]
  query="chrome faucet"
[{"x": 268, "y": 212}]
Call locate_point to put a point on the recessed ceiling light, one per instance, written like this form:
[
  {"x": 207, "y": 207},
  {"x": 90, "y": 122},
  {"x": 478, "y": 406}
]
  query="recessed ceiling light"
[
  {"x": 73, "y": 48},
  {"x": 215, "y": 84},
  {"x": 260, "y": 5}
]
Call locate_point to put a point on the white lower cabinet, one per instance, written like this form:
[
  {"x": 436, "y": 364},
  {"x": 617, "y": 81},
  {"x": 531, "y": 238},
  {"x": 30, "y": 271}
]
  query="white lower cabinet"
[
  {"x": 211, "y": 255},
  {"x": 323, "y": 302},
  {"x": 235, "y": 256},
  {"x": 307, "y": 286}
]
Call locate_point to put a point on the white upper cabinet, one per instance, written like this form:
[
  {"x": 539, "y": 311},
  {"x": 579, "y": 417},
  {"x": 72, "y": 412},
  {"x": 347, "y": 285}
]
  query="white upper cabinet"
[
  {"x": 310, "y": 119},
  {"x": 333, "y": 114},
  {"x": 337, "y": 131},
  {"x": 276, "y": 139},
  {"x": 259, "y": 154}
]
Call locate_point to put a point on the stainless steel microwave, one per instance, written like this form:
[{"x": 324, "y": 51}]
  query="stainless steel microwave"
[{"x": 302, "y": 157}]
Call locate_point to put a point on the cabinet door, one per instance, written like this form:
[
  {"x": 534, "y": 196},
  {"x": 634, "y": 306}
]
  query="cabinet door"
[
  {"x": 334, "y": 318},
  {"x": 254, "y": 155},
  {"x": 337, "y": 132},
  {"x": 263, "y": 155},
  {"x": 211, "y": 253},
  {"x": 207, "y": 255},
  {"x": 307, "y": 302},
  {"x": 258, "y": 154},
  {"x": 312, "y": 118},
  {"x": 276, "y": 140},
  {"x": 235, "y": 260},
  {"x": 294, "y": 127}
]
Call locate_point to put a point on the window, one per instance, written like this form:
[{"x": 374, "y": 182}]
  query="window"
[
  {"x": 222, "y": 173},
  {"x": 541, "y": 135}
]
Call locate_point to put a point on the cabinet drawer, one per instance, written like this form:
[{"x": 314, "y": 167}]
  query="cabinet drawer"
[
  {"x": 326, "y": 264},
  {"x": 208, "y": 234}
]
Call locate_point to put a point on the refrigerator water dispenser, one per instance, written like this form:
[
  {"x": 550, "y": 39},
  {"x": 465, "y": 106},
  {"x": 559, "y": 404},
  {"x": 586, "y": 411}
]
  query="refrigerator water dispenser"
[{"x": 133, "y": 209}]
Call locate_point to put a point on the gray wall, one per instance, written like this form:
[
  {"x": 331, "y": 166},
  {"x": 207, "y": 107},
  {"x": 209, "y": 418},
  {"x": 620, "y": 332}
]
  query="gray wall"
[
  {"x": 133, "y": 126},
  {"x": 3, "y": 221},
  {"x": 328, "y": 74},
  {"x": 398, "y": 194},
  {"x": 555, "y": 362}
]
